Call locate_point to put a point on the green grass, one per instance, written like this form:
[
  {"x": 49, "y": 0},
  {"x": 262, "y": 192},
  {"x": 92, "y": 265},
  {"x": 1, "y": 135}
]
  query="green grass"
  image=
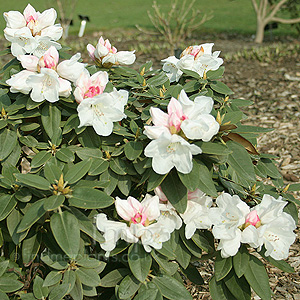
[{"x": 235, "y": 16}]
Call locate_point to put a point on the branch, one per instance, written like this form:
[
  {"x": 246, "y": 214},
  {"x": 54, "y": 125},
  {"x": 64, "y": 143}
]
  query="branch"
[
  {"x": 254, "y": 5},
  {"x": 286, "y": 21},
  {"x": 276, "y": 9}
]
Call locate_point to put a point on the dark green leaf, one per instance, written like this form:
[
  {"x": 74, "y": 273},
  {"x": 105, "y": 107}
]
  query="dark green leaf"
[
  {"x": 154, "y": 180},
  {"x": 66, "y": 231},
  {"x": 76, "y": 172},
  {"x": 175, "y": 191},
  {"x": 88, "y": 277},
  {"x": 133, "y": 149},
  {"x": 89, "y": 198},
  {"x": 99, "y": 165},
  {"x": 86, "y": 225},
  {"x": 30, "y": 248},
  {"x": 241, "y": 261},
  {"x": 52, "y": 278},
  {"x": 118, "y": 166},
  {"x": 139, "y": 261},
  {"x": 51, "y": 117},
  {"x": 193, "y": 275},
  {"x": 128, "y": 287},
  {"x": 9, "y": 285},
  {"x": 168, "y": 266},
  {"x": 59, "y": 291},
  {"x": 8, "y": 140},
  {"x": 114, "y": 277},
  {"x": 222, "y": 267},
  {"x": 13, "y": 223},
  {"x": 35, "y": 211},
  {"x": 258, "y": 279},
  {"x": 53, "y": 202},
  {"x": 38, "y": 290},
  {"x": 171, "y": 288},
  {"x": 33, "y": 180},
  {"x": 202, "y": 241},
  {"x": 40, "y": 159},
  {"x": 219, "y": 291},
  {"x": 221, "y": 88},
  {"x": 65, "y": 155},
  {"x": 7, "y": 203}
]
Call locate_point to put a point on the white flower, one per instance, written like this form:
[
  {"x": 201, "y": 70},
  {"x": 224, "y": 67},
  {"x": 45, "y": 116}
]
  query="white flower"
[
  {"x": 266, "y": 224},
  {"x": 71, "y": 69},
  {"x": 102, "y": 110},
  {"x": 192, "y": 117},
  {"x": 142, "y": 223},
  {"x": 106, "y": 55},
  {"x": 169, "y": 151},
  {"x": 45, "y": 85},
  {"x": 90, "y": 86},
  {"x": 227, "y": 218},
  {"x": 276, "y": 229},
  {"x": 196, "y": 215},
  {"x": 32, "y": 32},
  {"x": 171, "y": 68},
  {"x": 198, "y": 58},
  {"x": 18, "y": 82}
]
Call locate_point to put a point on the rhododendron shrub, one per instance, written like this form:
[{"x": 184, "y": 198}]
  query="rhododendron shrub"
[{"x": 115, "y": 181}]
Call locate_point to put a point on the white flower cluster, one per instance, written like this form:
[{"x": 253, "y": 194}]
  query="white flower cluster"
[
  {"x": 32, "y": 32},
  {"x": 185, "y": 120},
  {"x": 154, "y": 219},
  {"x": 198, "y": 58},
  {"x": 265, "y": 224},
  {"x": 44, "y": 77},
  {"x": 106, "y": 55}
]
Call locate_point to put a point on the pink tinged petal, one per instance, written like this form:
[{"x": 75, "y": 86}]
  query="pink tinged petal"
[
  {"x": 161, "y": 195},
  {"x": 125, "y": 57},
  {"x": 91, "y": 50},
  {"x": 14, "y": 19},
  {"x": 159, "y": 118},
  {"x": 65, "y": 88},
  {"x": 29, "y": 62},
  {"x": 78, "y": 94},
  {"x": 30, "y": 13},
  {"x": 252, "y": 218},
  {"x": 54, "y": 32},
  {"x": 151, "y": 207},
  {"x": 174, "y": 107},
  {"x": 125, "y": 208},
  {"x": 100, "y": 79},
  {"x": 50, "y": 58}
]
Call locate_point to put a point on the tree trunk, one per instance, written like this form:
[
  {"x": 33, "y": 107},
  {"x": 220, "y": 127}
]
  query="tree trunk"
[{"x": 260, "y": 26}]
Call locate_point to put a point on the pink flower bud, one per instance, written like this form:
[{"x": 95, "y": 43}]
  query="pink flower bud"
[{"x": 253, "y": 219}]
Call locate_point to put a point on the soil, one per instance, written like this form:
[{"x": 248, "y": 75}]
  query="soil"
[{"x": 269, "y": 75}]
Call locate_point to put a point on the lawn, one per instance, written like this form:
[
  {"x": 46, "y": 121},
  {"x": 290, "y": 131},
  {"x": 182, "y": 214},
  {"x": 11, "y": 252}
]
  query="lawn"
[{"x": 228, "y": 15}]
